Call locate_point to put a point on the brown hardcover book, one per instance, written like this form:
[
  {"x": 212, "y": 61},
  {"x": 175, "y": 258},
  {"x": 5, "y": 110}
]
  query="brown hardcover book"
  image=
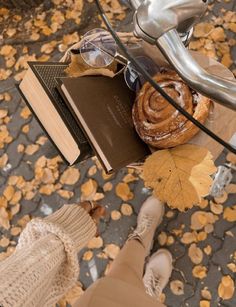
[
  {"x": 38, "y": 89},
  {"x": 103, "y": 108}
]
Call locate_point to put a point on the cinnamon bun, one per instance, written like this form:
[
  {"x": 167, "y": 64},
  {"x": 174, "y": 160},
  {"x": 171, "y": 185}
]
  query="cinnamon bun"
[{"x": 157, "y": 122}]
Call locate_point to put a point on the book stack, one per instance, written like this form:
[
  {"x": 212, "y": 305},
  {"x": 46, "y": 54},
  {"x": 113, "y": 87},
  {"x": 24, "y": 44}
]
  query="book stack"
[{"x": 84, "y": 116}]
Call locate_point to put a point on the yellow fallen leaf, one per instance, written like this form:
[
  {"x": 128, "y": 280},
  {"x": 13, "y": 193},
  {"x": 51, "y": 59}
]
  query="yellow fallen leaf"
[
  {"x": 207, "y": 250},
  {"x": 112, "y": 250},
  {"x": 226, "y": 288},
  {"x": 162, "y": 238},
  {"x": 126, "y": 209},
  {"x": 71, "y": 296},
  {"x": 96, "y": 242},
  {"x": 179, "y": 176},
  {"x": 9, "y": 192},
  {"x": 107, "y": 187},
  {"x": 206, "y": 294},
  {"x": 4, "y": 218},
  {"x": 92, "y": 171},
  {"x": 88, "y": 190},
  {"x": 216, "y": 208},
  {"x": 231, "y": 158},
  {"x": 123, "y": 191},
  {"x": 195, "y": 254},
  {"x": 65, "y": 194},
  {"x": 115, "y": 215},
  {"x": 204, "y": 303},
  {"x": 199, "y": 271},
  {"x": 200, "y": 219},
  {"x": 177, "y": 287},
  {"x": 189, "y": 237},
  {"x": 70, "y": 176},
  {"x": 15, "y": 231},
  {"x": 3, "y": 160},
  {"x": 88, "y": 256},
  {"x": 202, "y": 29},
  {"x": 230, "y": 214},
  {"x": 4, "y": 242},
  {"x": 25, "y": 113},
  {"x": 31, "y": 149},
  {"x": 232, "y": 267}
]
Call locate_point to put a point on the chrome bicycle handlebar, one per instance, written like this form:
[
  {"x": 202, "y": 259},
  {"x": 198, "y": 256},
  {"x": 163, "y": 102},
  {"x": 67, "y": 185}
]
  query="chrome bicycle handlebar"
[{"x": 163, "y": 23}]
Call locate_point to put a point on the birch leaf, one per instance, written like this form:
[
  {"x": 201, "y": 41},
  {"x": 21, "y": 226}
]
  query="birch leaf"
[{"x": 180, "y": 176}]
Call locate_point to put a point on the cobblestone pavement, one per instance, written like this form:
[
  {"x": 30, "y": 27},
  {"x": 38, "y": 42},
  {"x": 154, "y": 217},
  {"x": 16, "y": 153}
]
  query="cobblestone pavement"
[{"x": 222, "y": 239}]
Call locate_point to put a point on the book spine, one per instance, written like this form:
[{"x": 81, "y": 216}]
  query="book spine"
[{"x": 40, "y": 124}]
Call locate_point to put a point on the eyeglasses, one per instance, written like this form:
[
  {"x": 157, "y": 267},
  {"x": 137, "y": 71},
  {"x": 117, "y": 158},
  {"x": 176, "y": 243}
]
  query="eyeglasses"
[{"x": 98, "y": 49}]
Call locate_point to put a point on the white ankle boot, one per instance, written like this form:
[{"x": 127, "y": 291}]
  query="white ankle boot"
[
  {"x": 149, "y": 218},
  {"x": 158, "y": 272}
]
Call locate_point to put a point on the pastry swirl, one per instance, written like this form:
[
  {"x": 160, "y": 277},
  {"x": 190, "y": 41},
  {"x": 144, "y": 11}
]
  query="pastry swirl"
[{"x": 157, "y": 122}]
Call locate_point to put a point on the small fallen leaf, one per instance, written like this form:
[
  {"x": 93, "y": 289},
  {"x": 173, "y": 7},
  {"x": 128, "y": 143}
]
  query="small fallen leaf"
[
  {"x": 47, "y": 189},
  {"x": 88, "y": 256},
  {"x": 115, "y": 215},
  {"x": 92, "y": 171},
  {"x": 221, "y": 199},
  {"x": 195, "y": 254},
  {"x": 231, "y": 158},
  {"x": 170, "y": 240},
  {"x": 9, "y": 192},
  {"x": 177, "y": 287},
  {"x": 207, "y": 250},
  {"x": 129, "y": 178},
  {"x": 112, "y": 251},
  {"x": 72, "y": 296},
  {"x": 31, "y": 149},
  {"x": 88, "y": 190},
  {"x": 4, "y": 242},
  {"x": 226, "y": 288},
  {"x": 126, "y": 209},
  {"x": 25, "y": 113},
  {"x": 96, "y": 242},
  {"x": 70, "y": 176},
  {"x": 200, "y": 219},
  {"x": 15, "y": 231},
  {"x": 230, "y": 189},
  {"x": 108, "y": 186},
  {"x": 206, "y": 294},
  {"x": 123, "y": 191},
  {"x": 204, "y": 303},
  {"x": 188, "y": 238},
  {"x": 232, "y": 267},
  {"x": 202, "y": 236},
  {"x": 98, "y": 196},
  {"x": 3, "y": 160},
  {"x": 230, "y": 214},
  {"x": 216, "y": 208},
  {"x": 162, "y": 238},
  {"x": 4, "y": 218},
  {"x": 199, "y": 271},
  {"x": 65, "y": 194},
  {"x": 23, "y": 221}
]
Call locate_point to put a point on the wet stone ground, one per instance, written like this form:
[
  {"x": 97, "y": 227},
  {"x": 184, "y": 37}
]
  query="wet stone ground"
[{"x": 222, "y": 239}]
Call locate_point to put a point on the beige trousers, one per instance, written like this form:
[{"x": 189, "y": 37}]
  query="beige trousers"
[{"x": 128, "y": 268}]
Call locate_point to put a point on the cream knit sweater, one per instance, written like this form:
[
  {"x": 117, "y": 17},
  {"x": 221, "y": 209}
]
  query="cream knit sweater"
[{"x": 45, "y": 263}]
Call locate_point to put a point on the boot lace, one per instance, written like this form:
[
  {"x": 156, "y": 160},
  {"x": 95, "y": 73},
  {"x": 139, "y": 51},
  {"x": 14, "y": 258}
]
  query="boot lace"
[
  {"x": 143, "y": 226},
  {"x": 153, "y": 285}
]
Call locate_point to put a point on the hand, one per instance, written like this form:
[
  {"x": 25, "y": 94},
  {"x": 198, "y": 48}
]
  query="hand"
[{"x": 94, "y": 210}]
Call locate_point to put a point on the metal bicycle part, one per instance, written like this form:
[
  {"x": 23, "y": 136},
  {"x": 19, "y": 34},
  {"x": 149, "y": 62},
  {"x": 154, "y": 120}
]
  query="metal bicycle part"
[
  {"x": 222, "y": 178},
  {"x": 163, "y": 23}
]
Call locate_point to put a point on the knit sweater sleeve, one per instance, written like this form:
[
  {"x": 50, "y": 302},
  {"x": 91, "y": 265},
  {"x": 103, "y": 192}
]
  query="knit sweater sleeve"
[{"x": 45, "y": 263}]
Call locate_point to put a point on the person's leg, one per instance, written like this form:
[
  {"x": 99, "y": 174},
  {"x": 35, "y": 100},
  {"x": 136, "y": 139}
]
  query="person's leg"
[{"x": 129, "y": 264}]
